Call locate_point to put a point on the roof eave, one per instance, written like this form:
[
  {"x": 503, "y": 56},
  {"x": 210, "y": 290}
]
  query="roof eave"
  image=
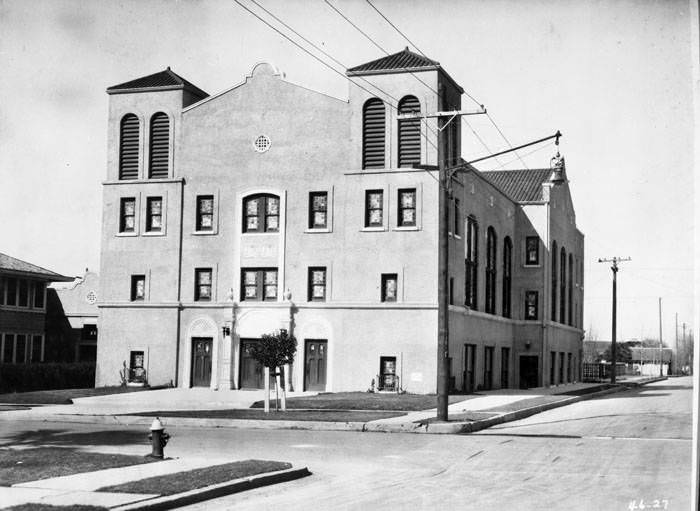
[
  {"x": 48, "y": 277},
  {"x": 111, "y": 90},
  {"x": 392, "y": 71}
]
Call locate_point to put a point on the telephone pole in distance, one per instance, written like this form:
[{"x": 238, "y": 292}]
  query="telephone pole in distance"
[{"x": 613, "y": 347}]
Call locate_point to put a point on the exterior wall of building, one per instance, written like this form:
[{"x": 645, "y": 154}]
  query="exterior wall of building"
[
  {"x": 72, "y": 318},
  {"x": 317, "y": 148}
]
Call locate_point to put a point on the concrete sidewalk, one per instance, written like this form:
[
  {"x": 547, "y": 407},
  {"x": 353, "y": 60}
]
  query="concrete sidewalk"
[
  {"x": 81, "y": 489},
  {"x": 116, "y": 409}
]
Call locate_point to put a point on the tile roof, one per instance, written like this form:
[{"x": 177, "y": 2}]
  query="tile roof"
[
  {"x": 167, "y": 78},
  {"x": 13, "y": 265},
  {"x": 404, "y": 60},
  {"x": 520, "y": 185}
]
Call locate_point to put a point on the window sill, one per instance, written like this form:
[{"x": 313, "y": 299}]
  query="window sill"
[
  {"x": 373, "y": 229},
  {"x": 203, "y": 233},
  {"x": 269, "y": 233},
  {"x": 317, "y": 230},
  {"x": 126, "y": 234},
  {"x": 532, "y": 265},
  {"x": 406, "y": 228},
  {"x": 153, "y": 234}
]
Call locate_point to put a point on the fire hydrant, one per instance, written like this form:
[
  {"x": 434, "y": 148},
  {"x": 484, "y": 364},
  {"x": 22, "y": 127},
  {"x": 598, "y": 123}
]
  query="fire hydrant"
[{"x": 158, "y": 437}]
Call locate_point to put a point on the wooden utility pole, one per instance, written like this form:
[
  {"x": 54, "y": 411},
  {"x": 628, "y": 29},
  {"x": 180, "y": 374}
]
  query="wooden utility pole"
[
  {"x": 661, "y": 344},
  {"x": 613, "y": 347},
  {"x": 443, "y": 369}
]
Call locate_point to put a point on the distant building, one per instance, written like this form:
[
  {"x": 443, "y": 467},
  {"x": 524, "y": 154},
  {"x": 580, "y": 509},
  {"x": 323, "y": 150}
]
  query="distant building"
[
  {"x": 23, "y": 311},
  {"x": 647, "y": 360},
  {"x": 594, "y": 350},
  {"x": 72, "y": 319},
  {"x": 271, "y": 206}
]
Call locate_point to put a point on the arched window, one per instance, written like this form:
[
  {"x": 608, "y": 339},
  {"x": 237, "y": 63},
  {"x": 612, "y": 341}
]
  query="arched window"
[
  {"x": 553, "y": 258},
  {"x": 471, "y": 263},
  {"x": 261, "y": 213},
  {"x": 507, "y": 268},
  {"x": 490, "y": 306},
  {"x": 570, "y": 289},
  {"x": 373, "y": 134},
  {"x": 129, "y": 147},
  {"x": 562, "y": 286},
  {"x": 409, "y": 133},
  {"x": 159, "y": 146}
]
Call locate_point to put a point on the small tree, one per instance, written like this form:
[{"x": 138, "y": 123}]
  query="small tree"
[{"x": 274, "y": 351}]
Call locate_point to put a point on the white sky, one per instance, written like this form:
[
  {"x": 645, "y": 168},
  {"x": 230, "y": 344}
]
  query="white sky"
[{"x": 614, "y": 77}]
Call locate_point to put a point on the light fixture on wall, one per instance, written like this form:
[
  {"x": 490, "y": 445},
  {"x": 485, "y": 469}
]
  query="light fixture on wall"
[
  {"x": 226, "y": 330},
  {"x": 527, "y": 345}
]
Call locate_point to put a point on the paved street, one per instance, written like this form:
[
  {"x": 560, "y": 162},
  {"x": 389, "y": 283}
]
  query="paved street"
[{"x": 598, "y": 455}]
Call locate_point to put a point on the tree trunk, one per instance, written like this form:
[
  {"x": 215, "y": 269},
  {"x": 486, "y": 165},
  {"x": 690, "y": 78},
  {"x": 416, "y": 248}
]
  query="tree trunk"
[
  {"x": 267, "y": 389},
  {"x": 284, "y": 390},
  {"x": 277, "y": 388}
]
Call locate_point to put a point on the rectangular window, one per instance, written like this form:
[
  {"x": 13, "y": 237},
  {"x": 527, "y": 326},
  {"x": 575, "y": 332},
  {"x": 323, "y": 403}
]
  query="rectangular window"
[
  {"x": 154, "y": 214},
  {"x": 23, "y": 293},
  {"x": 137, "y": 372},
  {"x": 2, "y": 290},
  {"x": 259, "y": 284},
  {"x": 202, "y": 285},
  {"x": 138, "y": 287},
  {"x": 205, "y": 213},
  {"x": 127, "y": 215},
  {"x": 318, "y": 210},
  {"x": 8, "y": 349},
  {"x": 11, "y": 291},
  {"x": 389, "y": 287},
  {"x": 530, "y": 304},
  {"x": 471, "y": 264},
  {"x": 374, "y": 208},
  {"x": 505, "y": 367},
  {"x": 532, "y": 250},
  {"x": 561, "y": 367},
  {"x": 552, "y": 366},
  {"x": 36, "y": 349},
  {"x": 39, "y": 289},
  {"x": 261, "y": 213},
  {"x": 407, "y": 207},
  {"x": 457, "y": 219},
  {"x": 21, "y": 349},
  {"x": 317, "y": 284},
  {"x": 568, "y": 368},
  {"x": 488, "y": 367}
]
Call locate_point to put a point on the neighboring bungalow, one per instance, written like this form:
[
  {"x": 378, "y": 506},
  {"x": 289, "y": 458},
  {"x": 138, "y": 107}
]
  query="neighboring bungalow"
[
  {"x": 71, "y": 321},
  {"x": 646, "y": 360},
  {"x": 23, "y": 311}
]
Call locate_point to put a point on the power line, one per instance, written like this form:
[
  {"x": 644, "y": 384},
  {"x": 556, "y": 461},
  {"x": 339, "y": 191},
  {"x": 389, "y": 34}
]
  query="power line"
[{"x": 467, "y": 93}]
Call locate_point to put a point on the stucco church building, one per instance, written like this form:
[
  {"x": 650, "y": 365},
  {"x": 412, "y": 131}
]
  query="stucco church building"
[{"x": 271, "y": 206}]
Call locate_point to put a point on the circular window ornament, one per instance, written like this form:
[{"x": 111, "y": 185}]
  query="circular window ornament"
[
  {"x": 91, "y": 297},
  {"x": 262, "y": 144}
]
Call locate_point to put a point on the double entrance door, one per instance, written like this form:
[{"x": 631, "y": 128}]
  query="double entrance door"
[{"x": 315, "y": 365}]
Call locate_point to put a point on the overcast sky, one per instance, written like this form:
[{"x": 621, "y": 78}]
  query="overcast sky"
[{"x": 613, "y": 76}]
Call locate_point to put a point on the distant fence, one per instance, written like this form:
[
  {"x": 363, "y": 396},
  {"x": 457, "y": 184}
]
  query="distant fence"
[{"x": 595, "y": 372}]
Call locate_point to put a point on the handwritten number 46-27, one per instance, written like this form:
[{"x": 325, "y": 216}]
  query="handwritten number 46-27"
[{"x": 653, "y": 504}]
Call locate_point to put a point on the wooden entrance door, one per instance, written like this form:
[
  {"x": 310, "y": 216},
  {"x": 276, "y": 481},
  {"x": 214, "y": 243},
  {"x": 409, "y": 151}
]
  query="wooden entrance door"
[
  {"x": 528, "y": 371},
  {"x": 469, "y": 367},
  {"x": 315, "y": 362},
  {"x": 201, "y": 361},
  {"x": 251, "y": 373}
]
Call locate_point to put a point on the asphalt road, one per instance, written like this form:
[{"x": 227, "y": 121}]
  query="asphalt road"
[{"x": 600, "y": 454}]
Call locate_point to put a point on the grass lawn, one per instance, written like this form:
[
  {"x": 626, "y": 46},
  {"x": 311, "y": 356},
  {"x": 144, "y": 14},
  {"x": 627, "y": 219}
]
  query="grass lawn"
[
  {"x": 180, "y": 482},
  {"x": 290, "y": 415},
  {"x": 367, "y": 401},
  {"x": 63, "y": 396},
  {"x": 24, "y": 465}
]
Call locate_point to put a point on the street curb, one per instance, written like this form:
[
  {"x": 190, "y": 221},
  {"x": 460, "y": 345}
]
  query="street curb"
[
  {"x": 372, "y": 426},
  {"x": 215, "y": 491}
]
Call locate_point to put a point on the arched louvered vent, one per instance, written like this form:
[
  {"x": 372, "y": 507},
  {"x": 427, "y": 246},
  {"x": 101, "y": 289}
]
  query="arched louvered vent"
[
  {"x": 129, "y": 147},
  {"x": 373, "y": 134},
  {"x": 160, "y": 147},
  {"x": 409, "y": 133}
]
